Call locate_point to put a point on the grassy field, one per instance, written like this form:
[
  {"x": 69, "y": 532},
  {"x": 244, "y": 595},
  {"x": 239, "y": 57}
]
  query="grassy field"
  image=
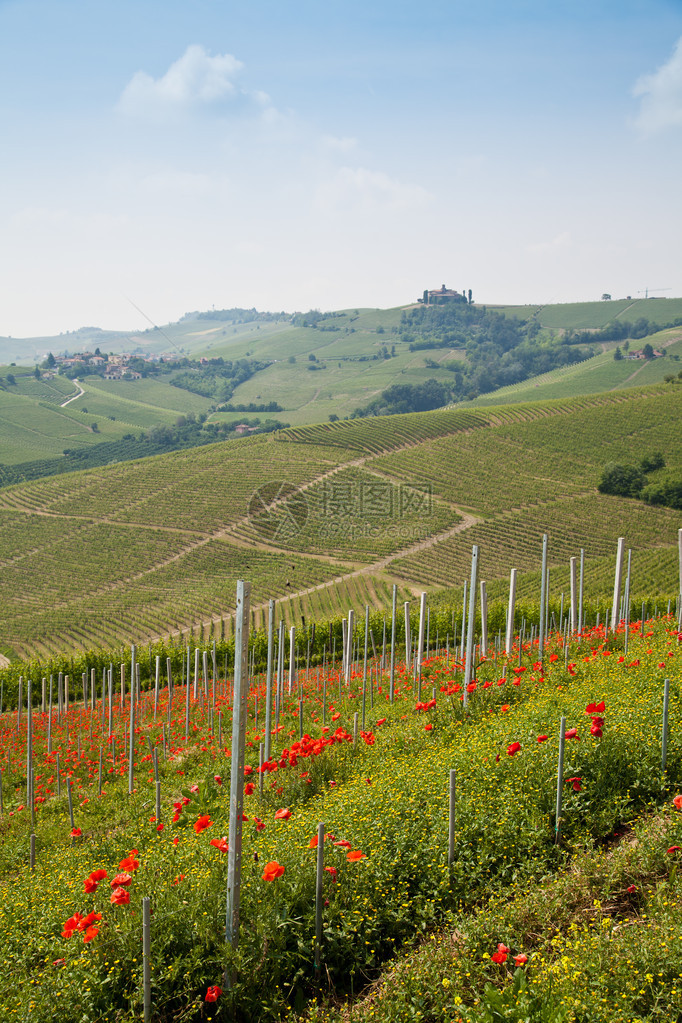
[
  {"x": 568, "y": 916},
  {"x": 330, "y": 516}
]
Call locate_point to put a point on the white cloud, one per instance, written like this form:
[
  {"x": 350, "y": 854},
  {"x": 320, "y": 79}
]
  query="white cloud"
[
  {"x": 195, "y": 79},
  {"x": 369, "y": 191},
  {"x": 339, "y": 145},
  {"x": 661, "y": 95}
]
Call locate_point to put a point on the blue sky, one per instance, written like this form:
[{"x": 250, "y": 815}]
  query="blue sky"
[{"x": 293, "y": 155}]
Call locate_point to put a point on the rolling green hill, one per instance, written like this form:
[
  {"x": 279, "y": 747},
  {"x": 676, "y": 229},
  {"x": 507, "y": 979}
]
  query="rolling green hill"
[
  {"x": 330, "y": 516},
  {"x": 313, "y": 366}
]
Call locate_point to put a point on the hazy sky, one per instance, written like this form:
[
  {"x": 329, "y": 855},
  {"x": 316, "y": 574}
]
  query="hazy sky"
[{"x": 333, "y": 153}]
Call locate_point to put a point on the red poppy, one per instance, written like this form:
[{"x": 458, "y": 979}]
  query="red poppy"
[
  {"x": 501, "y": 955},
  {"x": 428, "y": 728},
  {"x": 673, "y": 849},
  {"x": 513, "y": 748},
  {"x": 249, "y": 788},
  {"x": 272, "y": 870},
  {"x": 120, "y": 897},
  {"x": 572, "y": 733},
  {"x": 314, "y": 842},
  {"x": 130, "y": 863},
  {"x": 354, "y": 856},
  {"x": 521, "y": 959},
  {"x": 259, "y": 824},
  {"x": 75, "y": 832},
  {"x": 343, "y": 843},
  {"x": 90, "y": 933},
  {"x": 543, "y": 738},
  {"x": 577, "y": 787},
  {"x": 631, "y": 889},
  {"x": 121, "y": 880},
  {"x": 90, "y": 886},
  {"x": 333, "y": 872},
  {"x": 202, "y": 823},
  {"x": 71, "y": 925},
  {"x": 283, "y": 815},
  {"x": 678, "y": 802},
  {"x": 214, "y": 992},
  {"x": 220, "y": 843},
  {"x": 98, "y": 875}
]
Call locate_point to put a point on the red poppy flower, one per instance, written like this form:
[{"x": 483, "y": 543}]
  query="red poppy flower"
[
  {"x": 283, "y": 815},
  {"x": 314, "y": 842},
  {"x": 577, "y": 787},
  {"x": 90, "y": 886},
  {"x": 343, "y": 843},
  {"x": 71, "y": 925},
  {"x": 678, "y": 802},
  {"x": 354, "y": 856},
  {"x": 542, "y": 738},
  {"x": 120, "y": 897},
  {"x": 572, "y": 733},
  {"x": 333, "y": 872},
  {"x": 90, "y": 933},
  {"x": 272, "y": 870},
  {"x": 75, "y": 832},
  {"x": 513, "y": 748},
  {"x": 214, "y": 992},
  {"x": 631, "y": 889},
  {"x": 428, "y": 728},
  {"x": 501, "y": 955},
  {"x": 130, "y": 863},
  {"x": 202, "y": 823},
  {"x": 121, "y": 880},
  {"x": 673, "y": 849},
  {"x": 249, "y": 788},
  {"x": 98, "y": 875},
  {"x": 521, "y": 959},
  {"x": 259, "y": 824},
  {"x": 220, "y": 843}
]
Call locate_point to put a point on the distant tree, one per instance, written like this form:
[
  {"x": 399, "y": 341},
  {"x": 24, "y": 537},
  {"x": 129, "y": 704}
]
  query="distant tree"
[
  {"x": 648, "y": 351},
  {"x": 618, "y": 355},
  {"x": 333, "y": 418},
  {"x": 50, "y": 361},
  {"x": 606, "y": 297},
  {"x": 94, "y": 427},
  {"x": 470, "y": 297},
  {"x": 36, "y": 373},
  {"x": 11, "y": 379},
  {"x": 666, "y": 492},
  {"x": 312, "y": 357},
  {"x": 652, "y": 462},
  {"x": 623, "y": 480},
  {"x": 291, "y": 359}
]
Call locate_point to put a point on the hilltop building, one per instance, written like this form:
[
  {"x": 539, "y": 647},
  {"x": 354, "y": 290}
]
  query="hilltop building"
[{"x": 443, "y": 295}]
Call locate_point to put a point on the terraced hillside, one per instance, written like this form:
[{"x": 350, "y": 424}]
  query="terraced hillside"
[{"x": 330, "y": 516}]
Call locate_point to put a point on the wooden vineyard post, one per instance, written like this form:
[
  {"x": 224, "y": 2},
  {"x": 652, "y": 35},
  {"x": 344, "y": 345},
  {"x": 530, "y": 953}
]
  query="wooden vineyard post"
[
  {"x": 559, "y": 781},
  {"x": 509, "y": 637},
  {"x": 187, "y": 697},
  {"x": 626, "y": 602},
  {"x": 451, "y": 817},
  {"x": 156, "y": 685},
  {"x": 204, "y": 664},
  {"x": 464, "y": 620},
  {"x": 543, "y": 598},
  {"x": 484, "y": 620},
  {"x": 292, "y": 657},
  {"x": 468, "y": 664},
  {"x": 664, "y": 729},
  {"x": 146, "y": 960},
  {"x": 348, "y": 653},
  {"x": 364, "y": 667},
  {"x": 580, "y": 592},
  {"x": 617, "y": 581},
  {"x": 268, "y": 680},
  {"x": 408, "y": 636},
  {"x": 319, "y": 898},
  {"x": 131, "y": 748},
  {"x": 679, "y": 580},
  {"x": 573, "y": 572},
  {"x": 239, "y": 710},
  {"x": 391, "y": 684},
  {"x": 420, "y": 634}
]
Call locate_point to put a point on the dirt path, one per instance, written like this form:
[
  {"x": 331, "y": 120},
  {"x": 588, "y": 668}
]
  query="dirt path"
[{"x": 73, "y": 397}]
